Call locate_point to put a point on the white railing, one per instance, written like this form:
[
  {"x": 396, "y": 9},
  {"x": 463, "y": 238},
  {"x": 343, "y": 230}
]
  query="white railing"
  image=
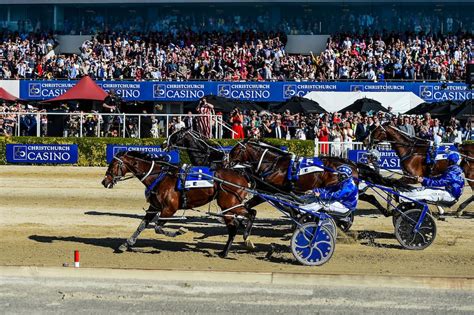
[
  {"x": 336, "y": 148},
  {"x": 100, "y": 124},
  {"x": 341, "y": 149}
]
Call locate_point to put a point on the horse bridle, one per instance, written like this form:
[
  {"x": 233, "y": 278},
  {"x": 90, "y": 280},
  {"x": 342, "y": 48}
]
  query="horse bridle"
[
  {"x": 120, "y": 174},
  {"x": 411, "y": 145},
  {"x": 261, "y": 159}
]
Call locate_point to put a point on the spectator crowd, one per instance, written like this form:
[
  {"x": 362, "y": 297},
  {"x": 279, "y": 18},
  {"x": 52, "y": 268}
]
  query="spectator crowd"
[
  {"x": 237, "y": 56},
  {"x": 347, "y": 127}
]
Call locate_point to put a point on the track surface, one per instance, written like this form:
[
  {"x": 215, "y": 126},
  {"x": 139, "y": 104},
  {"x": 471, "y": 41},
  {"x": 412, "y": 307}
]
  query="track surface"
[
  {"x": 48, "y": 212},
  {"x": 108, "y": 296}
]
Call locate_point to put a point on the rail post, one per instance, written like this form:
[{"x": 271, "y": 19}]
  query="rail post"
[{"x": 38, "y": 125}]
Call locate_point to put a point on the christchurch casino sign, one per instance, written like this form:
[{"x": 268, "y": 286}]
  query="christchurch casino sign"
[
  {"x": 245, "y": 91},
  {"x": 42, "y": 153}
]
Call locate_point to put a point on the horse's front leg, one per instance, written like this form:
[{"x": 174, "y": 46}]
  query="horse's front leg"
[
  {"x": 231, "y": 224},
  {"x": 167, "y": 213},
  {"x": 149, "y": 216}
]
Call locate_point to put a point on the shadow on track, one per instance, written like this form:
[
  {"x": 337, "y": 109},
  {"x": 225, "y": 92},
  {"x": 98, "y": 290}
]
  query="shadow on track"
[{"x": 147, "y": 246}]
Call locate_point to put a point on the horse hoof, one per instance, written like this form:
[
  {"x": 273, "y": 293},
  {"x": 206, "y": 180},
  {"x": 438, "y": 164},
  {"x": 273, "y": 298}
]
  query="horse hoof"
[
  {"x": 459, "y": 213},
  {"x": 222, "y": 254},
  {"x": 249, "y": 244},
  {"x": 182, "y": 231},
  {"x": 122, "y": 248}
]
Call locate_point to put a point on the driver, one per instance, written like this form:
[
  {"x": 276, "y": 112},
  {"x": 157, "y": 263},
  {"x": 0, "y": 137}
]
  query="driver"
[
  {"x": 341, "y": 198},
  {"x": 373, "y": 157},
  {"x": 446, "y": 187}
]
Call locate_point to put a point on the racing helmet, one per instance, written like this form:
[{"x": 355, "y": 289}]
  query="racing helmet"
[
  {"x": 454, "y": 157},
  {"x": 374, "y": 154},
  {"x": 344, "y": 172}
]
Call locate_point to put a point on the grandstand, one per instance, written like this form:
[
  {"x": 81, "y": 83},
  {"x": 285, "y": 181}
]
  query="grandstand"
[
  {"x": 292, "y": 17},
  {"x": 167, "y": 55}
]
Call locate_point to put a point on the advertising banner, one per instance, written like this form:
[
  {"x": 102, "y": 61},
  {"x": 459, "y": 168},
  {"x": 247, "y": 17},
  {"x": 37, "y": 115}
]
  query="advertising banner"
[
  {"x": 42, "y": 153},
  {"x": 244, "y": 91},
  {"x": 156, "y": 151},
  {"x": 389, "y": 158}
]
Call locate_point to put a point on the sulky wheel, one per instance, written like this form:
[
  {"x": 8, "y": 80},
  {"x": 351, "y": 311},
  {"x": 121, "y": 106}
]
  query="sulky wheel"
[
  {"x": 403, "y": 207},
  {"x": 345, "y": 225},
  {"x": 407, "y": 237},
  {"x": 310, "y": 249},
  {"x": 328, "y": 223}
]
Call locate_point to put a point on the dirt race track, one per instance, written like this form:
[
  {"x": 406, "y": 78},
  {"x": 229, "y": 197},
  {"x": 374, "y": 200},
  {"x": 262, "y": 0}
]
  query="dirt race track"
[{"x": 48, "y": 212}]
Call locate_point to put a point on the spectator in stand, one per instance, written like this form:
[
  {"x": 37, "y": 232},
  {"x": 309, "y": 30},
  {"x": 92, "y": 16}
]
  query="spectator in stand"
[
  {"x": 406, "y": 126},
  {"x": 244, "y": 55},
  {"x": 179, "y": 124},
  {"x": 237, "y": 120},
  {"x": 323, "y": 136},
  {"x": 362, "y": 130},
  {"x": 278, "y": 131},
  {"x": 204, "y": 122}
]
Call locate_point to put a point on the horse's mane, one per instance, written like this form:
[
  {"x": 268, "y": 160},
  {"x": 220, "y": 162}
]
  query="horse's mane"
[
  {"x": 339, "y": 159},
  {"x": 264, "y": 144},
  {"x": 409, "y": 137}
]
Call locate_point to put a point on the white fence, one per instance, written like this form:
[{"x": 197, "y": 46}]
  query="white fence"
[{"x": 59, "y": 124}]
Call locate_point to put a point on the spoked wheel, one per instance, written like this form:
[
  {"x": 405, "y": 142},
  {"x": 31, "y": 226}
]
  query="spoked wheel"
[
  {"x": 310, "y": 249},
  {"x": 403, "y": 207},
  {"x": 328, "y": 223},
  {"x": 346, "y": 225},
  {"x": 405, "y": 230}
]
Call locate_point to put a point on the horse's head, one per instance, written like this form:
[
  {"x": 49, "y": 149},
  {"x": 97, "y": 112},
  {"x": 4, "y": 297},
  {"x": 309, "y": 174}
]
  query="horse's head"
[
  {"x": 123, "y": 163},
  {"x": 178, "y": 139},
  {"x": 241, "y": 153},
  {"x": 377, "y": 135}
]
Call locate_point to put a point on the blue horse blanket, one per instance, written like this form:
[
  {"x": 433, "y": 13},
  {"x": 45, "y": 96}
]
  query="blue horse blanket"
[
  {"x": 303, "y": 166},
  {"x": 195, "y": 177}
]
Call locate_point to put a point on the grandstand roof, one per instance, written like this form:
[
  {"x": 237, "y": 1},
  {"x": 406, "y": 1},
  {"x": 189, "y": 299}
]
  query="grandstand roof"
[
  {"x": 4, "y": 95},
  {"x": 85, "y": 89},
  {"x": 363, "y": 2}
]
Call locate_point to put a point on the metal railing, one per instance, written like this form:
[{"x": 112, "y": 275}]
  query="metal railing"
[
  {"x": 341, "y": 149},
  {"x": 57, "y": 124}
]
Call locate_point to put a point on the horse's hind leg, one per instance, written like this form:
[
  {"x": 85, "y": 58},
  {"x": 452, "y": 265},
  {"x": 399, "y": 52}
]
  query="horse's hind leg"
[
  {"x": 133, "y": 239},
  {"x": 252, "y": 213},
  {"x": 464, "y": 205},
  {"x": 248, "y": 227},
  {"x": 373, "y": 201}
]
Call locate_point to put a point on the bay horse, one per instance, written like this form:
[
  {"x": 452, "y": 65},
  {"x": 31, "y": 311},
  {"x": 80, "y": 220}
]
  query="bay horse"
[
  {"x": 161, "y": 181},
  {"x": 270, "y": 166},
  {"x": 413, "y": 153}
]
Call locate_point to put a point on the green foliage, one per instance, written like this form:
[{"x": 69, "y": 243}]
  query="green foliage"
[{"x": 92, "y": 151}]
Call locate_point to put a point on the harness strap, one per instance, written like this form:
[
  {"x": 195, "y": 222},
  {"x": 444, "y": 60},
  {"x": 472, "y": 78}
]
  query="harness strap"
[
  {"x": 149, "y": 171},
  {"x": 261, "y": 160},
  {"x": 150, "y": 188}
]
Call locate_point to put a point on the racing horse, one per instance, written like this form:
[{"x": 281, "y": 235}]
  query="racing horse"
[
  {"x": 413, "y": 153},
  {"x": 161, "y": 180},
  {"x": 270, "y": 165}
]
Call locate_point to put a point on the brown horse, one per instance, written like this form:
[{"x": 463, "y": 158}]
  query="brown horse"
[
  {"x": 413, "y": 153},
  {"x": 270, "y": 165},
  {"x": 161, "y": 180}
]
